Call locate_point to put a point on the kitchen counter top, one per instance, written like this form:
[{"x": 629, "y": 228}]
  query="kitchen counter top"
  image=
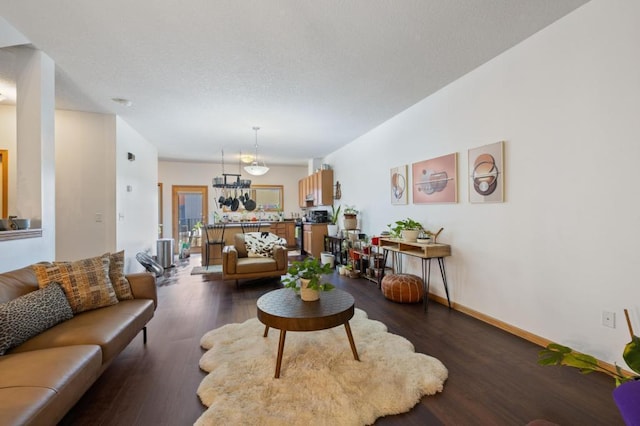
[
  {"x": 263, "y": 222},
  {"x": 239, "y": 224}
]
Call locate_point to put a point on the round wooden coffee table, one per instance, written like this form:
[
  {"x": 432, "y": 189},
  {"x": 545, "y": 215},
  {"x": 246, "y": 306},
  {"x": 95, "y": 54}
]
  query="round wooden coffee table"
[{"x": 284, "y": 310}]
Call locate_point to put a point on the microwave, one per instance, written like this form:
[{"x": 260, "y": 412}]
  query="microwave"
[{"x": 318, "y": 216}]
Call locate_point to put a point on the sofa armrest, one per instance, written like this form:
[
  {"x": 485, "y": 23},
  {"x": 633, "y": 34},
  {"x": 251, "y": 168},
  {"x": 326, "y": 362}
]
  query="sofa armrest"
[
  {"x": 280, "y": 255},
  {"x": 229, "y": 259},
  {"x": 143, "y": 286}
]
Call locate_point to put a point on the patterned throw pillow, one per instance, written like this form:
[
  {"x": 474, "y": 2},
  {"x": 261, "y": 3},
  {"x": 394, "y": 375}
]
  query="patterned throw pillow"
[
  {"x": 261, "y": 243},
  {"x": 116, "y": 275},
  {"x": 31, "y": 314},
  {"x": 85, "y": 282}
]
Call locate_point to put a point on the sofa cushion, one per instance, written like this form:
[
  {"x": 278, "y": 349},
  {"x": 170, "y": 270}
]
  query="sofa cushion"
[
  {"x": 39, "y": 387},
  {"x": 31, "y": 314},
  {"x": 116, "y": 275},
  {"x": 17, "y": 283},
  {"x": 112, "y": 328},
  {"x": 252, "y": 265},
  {"x": 85, "y": 282},
  {"x": 260, "y": 244}
]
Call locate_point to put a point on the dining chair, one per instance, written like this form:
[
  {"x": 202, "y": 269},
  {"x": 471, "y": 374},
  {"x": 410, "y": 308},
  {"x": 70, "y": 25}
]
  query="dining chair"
[
  {"x": 215, "y": 237},
  {"x": 250, "y": 227}
]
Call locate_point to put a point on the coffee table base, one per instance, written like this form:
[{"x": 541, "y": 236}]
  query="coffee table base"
[{"x": 283, "y": 336}]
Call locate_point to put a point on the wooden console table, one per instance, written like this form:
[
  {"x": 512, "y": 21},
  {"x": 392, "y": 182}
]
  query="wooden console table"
[{"x": 424, "y": 251}]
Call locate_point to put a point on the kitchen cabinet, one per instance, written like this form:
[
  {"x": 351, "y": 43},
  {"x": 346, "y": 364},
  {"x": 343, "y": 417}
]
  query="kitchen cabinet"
[
  {"x": 286, "y": 230},
  {"x": 316, "y": 189},
  {"x": 313, "y": 238}
]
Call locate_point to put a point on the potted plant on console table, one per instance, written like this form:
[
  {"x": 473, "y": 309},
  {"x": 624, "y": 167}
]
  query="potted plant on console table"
[
  {"x": 308, "y": 273},
  {"x": 407, "y": 229}
]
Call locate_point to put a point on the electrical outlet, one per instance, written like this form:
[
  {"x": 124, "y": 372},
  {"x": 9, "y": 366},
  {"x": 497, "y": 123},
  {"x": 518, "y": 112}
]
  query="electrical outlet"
[{"x": 609, "y": 319}]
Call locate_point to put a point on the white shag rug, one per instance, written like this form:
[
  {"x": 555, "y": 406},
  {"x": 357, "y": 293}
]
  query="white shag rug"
[{"x": 320, "y": 383}]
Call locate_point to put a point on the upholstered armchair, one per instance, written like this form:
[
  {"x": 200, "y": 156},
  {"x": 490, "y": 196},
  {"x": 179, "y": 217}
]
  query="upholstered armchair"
[{"x": 254, "y": 255}]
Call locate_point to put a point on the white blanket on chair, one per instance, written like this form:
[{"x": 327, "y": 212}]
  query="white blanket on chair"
[{"x": 260, "y": 244}]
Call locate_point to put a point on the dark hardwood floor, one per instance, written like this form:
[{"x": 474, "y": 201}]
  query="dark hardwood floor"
[{"x": 493, "y": 376}]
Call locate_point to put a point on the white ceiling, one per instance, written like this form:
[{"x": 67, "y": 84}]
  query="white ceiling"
[{"x": 313, "y": 74}]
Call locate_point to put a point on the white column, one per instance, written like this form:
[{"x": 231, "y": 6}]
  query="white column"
[{"x": 35, "y": 111}]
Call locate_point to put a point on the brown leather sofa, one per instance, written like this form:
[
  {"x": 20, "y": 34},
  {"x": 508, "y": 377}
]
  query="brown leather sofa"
[
  {"x": 42, "y": 378},
  {"x": 237, "y": 264}
]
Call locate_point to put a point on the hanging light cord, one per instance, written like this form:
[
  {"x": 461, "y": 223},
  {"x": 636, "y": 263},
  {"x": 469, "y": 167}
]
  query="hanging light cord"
[{"x": 256, "y": 157}]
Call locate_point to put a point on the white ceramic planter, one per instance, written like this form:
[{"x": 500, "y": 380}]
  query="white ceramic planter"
[
  {"x": 410, "y": 235},
  {"x": 326, "y": 257}
]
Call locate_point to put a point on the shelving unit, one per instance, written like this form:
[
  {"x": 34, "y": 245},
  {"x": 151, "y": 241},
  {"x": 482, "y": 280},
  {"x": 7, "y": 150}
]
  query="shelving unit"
[
  {"x": 333, "y": 245},
  {"x": 376, "y": 262}
]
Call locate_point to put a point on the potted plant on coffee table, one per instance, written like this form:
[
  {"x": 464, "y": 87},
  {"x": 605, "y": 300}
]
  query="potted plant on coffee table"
[
  {"x": 305, "y": 275},
  {"x": 407, "y": 229}
]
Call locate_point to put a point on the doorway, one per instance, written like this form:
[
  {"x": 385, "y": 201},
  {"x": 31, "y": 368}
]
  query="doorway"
[
  {"x": 160, "y": 219},
  {"x": 189, "y": 207}
]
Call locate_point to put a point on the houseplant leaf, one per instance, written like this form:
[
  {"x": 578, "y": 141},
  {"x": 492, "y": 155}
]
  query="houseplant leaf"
[{"x": 631, "y": 352}]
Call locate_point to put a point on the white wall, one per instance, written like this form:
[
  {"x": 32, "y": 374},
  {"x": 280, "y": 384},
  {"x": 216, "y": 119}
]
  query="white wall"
[
  {"x": 96, "y": 214},
  {"x": 85, "y": 184},
  {"x": 563, "y": 247},
  {"x": 183, "y": 173},
  {"x": 136, "y": 210}
]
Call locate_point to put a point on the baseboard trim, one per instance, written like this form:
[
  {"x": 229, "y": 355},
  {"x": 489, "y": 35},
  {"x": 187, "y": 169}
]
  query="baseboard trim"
[{"x": 523, "y": 334}]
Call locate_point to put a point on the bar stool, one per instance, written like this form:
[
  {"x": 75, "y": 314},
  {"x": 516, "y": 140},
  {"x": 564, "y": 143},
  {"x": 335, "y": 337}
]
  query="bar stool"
[
  {"x": 250, "y": 227},
  {"x": 215, "y": 237}
]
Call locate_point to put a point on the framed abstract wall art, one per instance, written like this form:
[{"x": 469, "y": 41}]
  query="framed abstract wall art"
[
  {"x": 435, "y": 180},
  {"x": 486, "y": 173},
  {"x": 399, "y": 185}
]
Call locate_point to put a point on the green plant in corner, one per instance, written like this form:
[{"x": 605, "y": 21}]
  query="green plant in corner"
[
  {"x": 556, "y": 354},
  {"x": 405, "y": 225},
  {"x": 310, "y": 269},
  {"x": 335, "y": 214}
]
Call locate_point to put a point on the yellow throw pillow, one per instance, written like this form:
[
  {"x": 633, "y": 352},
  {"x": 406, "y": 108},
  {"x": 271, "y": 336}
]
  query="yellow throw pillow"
[
  {"x": 116, "y": 275},
  {"x": 85, "y": 282}
]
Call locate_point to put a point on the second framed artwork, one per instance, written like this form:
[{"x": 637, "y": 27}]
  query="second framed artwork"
[{"x": 435, "y": 180}]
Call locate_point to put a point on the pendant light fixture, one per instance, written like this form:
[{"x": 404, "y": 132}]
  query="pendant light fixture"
[{"x": 255, "y": 168}]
